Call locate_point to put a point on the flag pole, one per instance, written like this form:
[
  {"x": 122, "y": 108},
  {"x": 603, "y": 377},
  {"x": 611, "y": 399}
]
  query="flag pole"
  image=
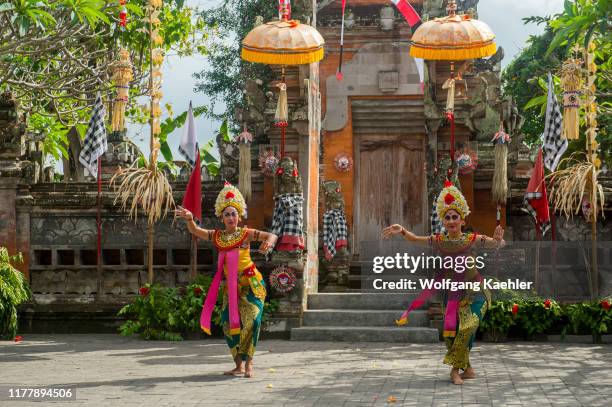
[
  {"x": 99, "y": 228},
  {"x": 194, "y": 257}
]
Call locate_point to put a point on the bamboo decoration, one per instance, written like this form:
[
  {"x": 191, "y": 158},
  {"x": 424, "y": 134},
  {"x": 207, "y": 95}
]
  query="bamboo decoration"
[
  {"x": 121, "y": 76},
  {"x": 571, "y": 82},
  {"x": 147, "y": 187},
  {"x": 244, "y": 141},
  {"x": 578, "y": 180}
]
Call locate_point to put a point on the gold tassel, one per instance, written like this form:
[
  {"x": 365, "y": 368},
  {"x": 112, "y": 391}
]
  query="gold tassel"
[
  {"x": 282, "y": 58},
  {"x": 571, "y": 82},
  {"x": 460, "y": 54},
  {"x": 121, "y": 75},
  {"x": 499, "y": 186},
  {"x": 282, "y": 110}
]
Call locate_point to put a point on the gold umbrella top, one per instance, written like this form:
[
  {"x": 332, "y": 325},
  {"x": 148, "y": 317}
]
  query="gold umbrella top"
[
  {"x": 454, "y": 37},
  {"x": 283, "y": 42}
]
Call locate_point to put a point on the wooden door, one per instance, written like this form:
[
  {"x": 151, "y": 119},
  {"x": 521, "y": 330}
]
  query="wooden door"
[{"x": 391, "y": 185}]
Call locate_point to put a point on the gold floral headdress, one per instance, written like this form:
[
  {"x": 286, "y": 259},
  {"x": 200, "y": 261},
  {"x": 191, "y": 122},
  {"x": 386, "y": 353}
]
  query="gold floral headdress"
[
  {"x": 451, "y": 198},
  {"x": 230, "y": 196}
]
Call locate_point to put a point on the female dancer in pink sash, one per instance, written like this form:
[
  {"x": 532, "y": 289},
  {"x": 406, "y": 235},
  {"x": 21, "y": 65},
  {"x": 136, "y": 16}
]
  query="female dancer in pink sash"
[
  {"x": 464, "y": 308},
  {"x": 244, "y": 290}
]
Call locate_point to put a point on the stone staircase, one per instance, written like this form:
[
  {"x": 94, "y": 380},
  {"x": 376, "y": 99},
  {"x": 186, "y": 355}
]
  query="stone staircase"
[{"x": 368, "y": 317}]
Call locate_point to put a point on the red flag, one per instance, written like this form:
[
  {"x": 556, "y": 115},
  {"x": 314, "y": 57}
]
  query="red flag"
[
  {"x": 192, "y": 201},
  {"x": 409, "y": 13},
  {"x": 535, "y": 200}
]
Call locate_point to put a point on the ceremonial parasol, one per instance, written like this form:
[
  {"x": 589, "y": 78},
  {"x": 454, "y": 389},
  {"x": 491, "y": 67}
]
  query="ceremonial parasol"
[
  {"x": 283, "y": 42},
  {"x": 456, "y": 37}
]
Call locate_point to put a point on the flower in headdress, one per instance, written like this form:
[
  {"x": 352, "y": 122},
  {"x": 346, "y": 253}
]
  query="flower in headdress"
[
  {"x": 280, "y": 171},
  {"x": 515, "y": 309},
  {"x": 605, "y": 305},
  {"x": 547, "y": 304},
  {"x": 229, "y": 195},
  {"x": 295, "y": 173},
  {"x": 449, "y": 199},
  {"x": 144, "y": 291}
]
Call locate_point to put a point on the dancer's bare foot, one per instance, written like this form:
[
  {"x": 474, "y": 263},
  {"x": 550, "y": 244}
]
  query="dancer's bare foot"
[
  {"x": 468, "y": 373},
  {"x": 238, "y": 370},
  {"x": 249, "y": 369},
  {"x": 455, "y": 376}
]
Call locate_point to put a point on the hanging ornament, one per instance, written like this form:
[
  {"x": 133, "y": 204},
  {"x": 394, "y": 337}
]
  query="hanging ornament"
[
  {"x": 157, "y": 58},
  {"x": 466, "y": 160},
  {"x": 268, "y": 162},
  {"x": 121, "y": 71},
  {"x": 343, "y": 162},
  {"x": 571, "y": 82},
  {"x": 283, "y": 279},
  {"x": 281, "y": 117},
  {"x": 499, "y": 187},
  {"x": 123, "y": 15},
  {"x": 244, "y": 141}
]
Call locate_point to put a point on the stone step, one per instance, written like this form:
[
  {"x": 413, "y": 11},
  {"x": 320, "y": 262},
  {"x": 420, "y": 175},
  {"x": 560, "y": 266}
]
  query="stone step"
[
  {"x": 361, "y": 301},
  {"x": 365, "y": 334},
  {"x": 354, "y": 318}
]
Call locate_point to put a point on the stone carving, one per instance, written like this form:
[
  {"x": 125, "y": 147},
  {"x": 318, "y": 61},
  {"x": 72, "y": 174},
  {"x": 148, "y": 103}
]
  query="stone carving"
[{"x": 287, "y": 179}]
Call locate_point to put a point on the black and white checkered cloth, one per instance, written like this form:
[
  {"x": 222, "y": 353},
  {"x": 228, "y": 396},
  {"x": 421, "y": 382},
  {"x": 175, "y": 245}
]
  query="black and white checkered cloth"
[
  {"x": 553, "y": 144},
  {"x": 436, "y": 222},
  {"x": 527, "y": 207},
  {"x": 334, "y": 229},
  {"x": 287, "y": 219},
  {"x": 95, "y": 138}
]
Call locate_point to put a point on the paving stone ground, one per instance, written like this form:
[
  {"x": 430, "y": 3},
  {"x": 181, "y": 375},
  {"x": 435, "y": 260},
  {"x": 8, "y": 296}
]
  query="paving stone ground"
[{"x": 110, "y": 370}]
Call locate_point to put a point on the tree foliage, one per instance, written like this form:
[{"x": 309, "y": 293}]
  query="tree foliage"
[
  {"x": 55, "y": 55},
  {"x": 226, "y": 77},
  {"x": 580, "y": 22}
]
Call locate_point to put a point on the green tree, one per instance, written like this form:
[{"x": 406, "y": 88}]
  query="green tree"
[
  {"x": 580, "y": 22},
  {"x": 521, "y": 80},
  {"x": 226, "y": 77},
  {"x": 55, "y": 55}
]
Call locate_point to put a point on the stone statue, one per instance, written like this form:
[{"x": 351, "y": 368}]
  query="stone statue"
[{"x": 335, "y": 238}]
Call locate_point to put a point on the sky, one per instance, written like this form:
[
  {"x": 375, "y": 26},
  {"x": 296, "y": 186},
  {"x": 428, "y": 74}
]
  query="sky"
[{"x": 503, "y": 16}]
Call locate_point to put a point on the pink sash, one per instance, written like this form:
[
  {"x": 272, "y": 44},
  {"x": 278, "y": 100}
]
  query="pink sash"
[{"x": 230, "y": 259}]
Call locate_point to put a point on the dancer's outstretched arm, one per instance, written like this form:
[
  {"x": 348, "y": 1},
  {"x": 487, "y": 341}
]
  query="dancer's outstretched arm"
[
  {"x": 204, "y": 234},
  {"x": 406, "y": 234},
  {"x": 495, "y": 242},
  {"x": 268, "y": 239}
]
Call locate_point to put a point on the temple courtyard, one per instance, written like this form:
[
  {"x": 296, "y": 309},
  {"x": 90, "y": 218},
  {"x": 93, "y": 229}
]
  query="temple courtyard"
[{"x": 111, "y": 370}]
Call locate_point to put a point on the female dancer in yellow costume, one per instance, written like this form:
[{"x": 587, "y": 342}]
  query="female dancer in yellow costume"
[
  {"x": 464, "y": 308},
  {"x": 244, "y": 290}
]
